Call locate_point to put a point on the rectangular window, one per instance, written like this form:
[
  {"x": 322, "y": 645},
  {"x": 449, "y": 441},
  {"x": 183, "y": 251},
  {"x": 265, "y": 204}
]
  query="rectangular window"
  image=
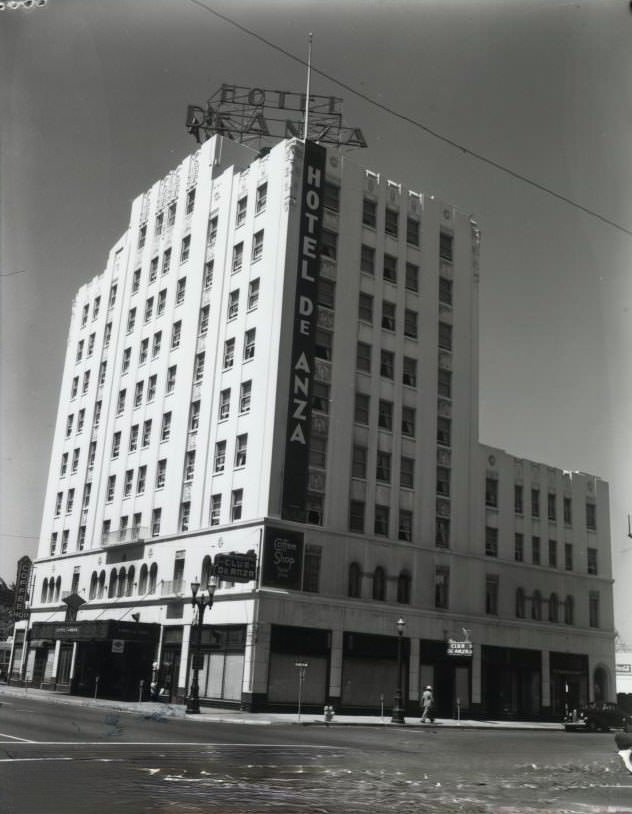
[
  {"x": 443, "y": 481},
  {"x": 445, "y": 246},
  {"x": 194, "y": 416},
  {"x": 64, "y": 540},
  {"x": 220, "y": 456},
  {"x": 171, "y": 214},
  {"x": 320, "y": 397},
  {"x": 64, "y": 465},
  {"x": 444, "y": 431},
  {"x": 318, "y": 451},
  {"x": 166, "y": 262},
  {"x": 331, "y": 197},
  {"x": 75, "y": 387},
  {"x": 491, "y": 492},
  {"x": 551, "y": 506},
  {"x": 356, "y": 516},
  {"x": 171, "y": 379},
  {"x": 151, "y": 387},
  {"x": 165, "y": 430},
  {"x": 70, "y": 499},
  {"x": 58, "y": 503},
  {"x": 109, "y": 497},
  {"x": 369, "y": 213},
  {"x": 236, "y": 504},
  {"x": 238, "y": 257},
  {"x": 185, "y": 516},
  {"x": 535, "y": 503},
  {"x": 116, "y": 444},
  {"x": 133, "y": 438},
  {"x": 593, "y": 609},
  {"x": 149, "y": 308},
  {"x": 518, "y": 498},
  {"x": 444, "y": 383},
  {"x": 591, "y": 516},
  {"x": 129, "y": 480},
  {"x": 69, "y": 423},
  {"x": 261, "y": 197},
  {"x": 442, "y": 586},
  {"x": 211, "y": 233},
  {"x": 445, "y": 291},
  {"x": 95, "y": 307},
  {"x": 519, "y": 547},
  {"x": 153, "y": 269},
  {"x": 180, "y": 289},
  {"x": 442, "y": 532},
  {"x": 81, "y": 539},
  {"x": 143, "y": 352},
  {"x": 157, "y": 341},
  {"x": 407, "y": 473},
  {"x": 160, "y": 217},
  {"x": 146, "y": 432},
  {"x": 176, "y": 332},
  {"x": 229, "y": 353},
  {"x": 568, "y": 512},
  {"x": 91, "y": 340},
  {"x": 156, "y": 516},
  {"x": 189, "y": 466},
  {"x": 80, "y": 418},
  {"x": 198, "y": 369},
  {"x": 161, "y": 473},
  {"x": 135, "y": 281},
  {"x": 127, "y": 357},
  {"x": 410, "y": 323},
  {"x": 257, "y": 246},
  {"x": 383, "y": 467},
  {"x": 387, "y": 364},
  {"x": 323, "y": 344},
  {"x": 241, "y": 450},
  {"x": 253, "y": 294},
  {"x": 365, "y": 308},
  {"x": 491, "y": 541},
  {"x": 224, "y": 404},
  {"x": 233, "y": 304},
  {"x": 140, "y": 480},
  {"x": 388, "y": 315},
  {"x": 142, "y": 236},
  {"x": 216, "y": 509},
  {"x": 412, "y": 277},
  {"x": 190, "y": 202},
  {"x": 412, "y": 231},
  {"x": 389, "y": 271},
  {"x": 409, "y": 372},
  {"x": 240, "y": 215},
  {"x": 208, "y": 274},
  {"x": 552, "y": 553},
  {"x": 445, "y": 336},
  {"x": 358, "y": 462},
  {"x": 249, "y": 344},
  {"x": 361, "y": 410},
  {"x": 363, "y": 357},
  {"x": 138, "y": 394},
  {"x": 535, "y": 550},
  {"x": 367, "y": 259},
  {"x": 491, "y": 595},
  {"x": 92, "y": 453},
  {"x": 568, "y": 556},
  {"x": 381, "y": 520},
  {"x": 79, "y": 351},
  {"x": 131, "y": 320},
  {"x": 592, "y": 561},
  {"x": 405, "y": 527},
  {"x": 245, "y": 391},
  {"x": 385, "y": 415},
  {"x": 84, "y": 314},
  {"x": 329, "y": 244}
]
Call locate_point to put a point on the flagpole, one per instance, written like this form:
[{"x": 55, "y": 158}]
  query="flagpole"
[{"x": 309, "y": 77}]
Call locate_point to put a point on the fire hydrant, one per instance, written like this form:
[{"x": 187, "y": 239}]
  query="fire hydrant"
[{"x": 329, "y": 713}]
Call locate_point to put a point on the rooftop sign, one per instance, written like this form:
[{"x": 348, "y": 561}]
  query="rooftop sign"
[{"x": 242, "y": 114}]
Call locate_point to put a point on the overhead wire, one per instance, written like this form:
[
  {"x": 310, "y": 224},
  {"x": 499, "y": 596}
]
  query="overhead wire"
[{"x": 416, "y": 123}]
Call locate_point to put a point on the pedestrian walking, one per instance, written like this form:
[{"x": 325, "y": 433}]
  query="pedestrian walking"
[{"x": 427, "y": 703}]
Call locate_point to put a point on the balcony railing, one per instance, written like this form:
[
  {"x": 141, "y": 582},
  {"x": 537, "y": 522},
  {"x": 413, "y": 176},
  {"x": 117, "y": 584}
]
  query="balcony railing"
[
  {"x": 133, "y": 534},
  {"x": 170, "y": 587}
]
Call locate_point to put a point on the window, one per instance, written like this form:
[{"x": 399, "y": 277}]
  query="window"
[
  {"x": 365, "y": 308},
  {"x": 257, "y": 246},
  {"x": 236, "y": 504},
  {"x": 135, "y": 281},
  {"x": 211, "y": 233},
  {"x": 194, "y": 416},
  {"x": 198, "y": 369},
  {"x": 412, "y": 231},
  {"x": 138, "y": 393},
  {"x": 81, "y": 538},
  {"x": 444, "y": 431},
  {"x": 323, "y": 344},
  {"x": 363, "y": 357},
  {"x": 84, "y": 314},
  {"x": 127, "y": 358},
  {"x": 157, "y": 341},
  {"x": 229, "y": 353},
  {"x": 146, "y": 432},
  {"x": 185, "y": 516},
  {"x": 153, "y": 269},
  {"x": 407, "y": 473},
  {"x": 354, "y": 584},
  {"x": 535, "y": 502},
  {"x": 387, "y": 364},
  {"x": 491, "y": 492},
  {"x": 165, "y": 430},
  {"x": 140, "y": 480},
  {"x": 95, "y": 307},
  {"x": 442, "y": 587},
  {"x": 171, "y": 214},
  {"x": 116, "y": 444},
  {"x": 110, "y": 490},
  {"x": 69, "y": 423},
  {"x": 142, "y": 235},
  {"x": 131, "y": 319},
  {"x": 91, "y": 340},
  {"x": 189, "y": 466},
  {"x": 171, "y": 379},
  {"x": 379, "y": 584},
  {"x": 592, "y": 560},
  {"x": 161, "y": 473},
  {"x": 520, "y": 604},
  {"x": 80, "y": 419},
  {"x": 383, "y": 467},
  {"x": 58, "y": 502},
  {"x": 381, "y": 520},
  {"x": 261, "y": 198},
  {"x": 385, "y": 415},
  {"x": 143, "y": 352},
  {"x": 166, "y": 262},
  {"x": 591, "y": 516},
  {"x": 412, "y": 277},
  {"x": 241, "y": 449},
  {"x": 208, "y": 274},
  {"x": 127, "y": 485},
  {"x": 176, "y": 331},
  {"x": 253, "y": 294},
  {"x": 64, "y": 465},
  {"x": 518, "y": 498},
  {"x": 216, "y": 508},
  {"x": 329, "y": 244},
  {"x": 405, "y": 528},
  {"x": 314, "y": 509},
  {"x": 491, "y": 541},
  {"x": 233, "y": 304},
  {"x": 491, "y": 595},
  {"x": 190, "y": 202},
  {"x": 320, "y": 397},
  {"x": 358, "y": 461},
  {"x": 445, "y": 336},
  {"x": 361, "y": 410},
  {"x": 92, "y": 452},
  {"x": 180, "y": 289},
  {"x": 249, "y": 344},
  {"x": 220, "y": 456},
  {"x": 238, "y": 257},
  {"x": 331, "y": 196},
  {"x": 53, "y": 546},
  {"x": 390, "y": 268},
  {"x": 224, "y": 404},
  {"x": 242, "y": 206},
  {"x": 121, "y": 401},
  {"x": 554, "y": 608},
  {"x": 367, "y": 259},
  {"x": 551, "y": 507},
  {"x": 388, "y": 315},
  {"x": 568, "y": 511},
  {"x": 156, "y": 517},
  {"x": 519, "y": 547},
  {"x": 369, "y": 213},
  {"x": 151, "y": 387},
  {"x": 552, "y": 553},
  {"x": 536, "y": 606},
  {"x": 133, "y": 438},
  {"x": 444, "y": 383},
  {"x": 442, "y": 532},
  {"x": 79, "y": 351},
  {"x": 160, "y": 217},
  {"x": 410, "y": 323},
  {"x": 102, "y": 371},
  {"x": 443, "y": 481},
  {"x": 203, "y": 320},
  {"x": 70, "y": 499},
  {"x": 535, "y": 550},
  {"x": 75, "y": 387},
  {"x": 569, "y": 610},
  {"x": 64, "y": 548},
  {"x": 445, "y": 246},
  {"x": 409, "y": 372},
  {"x": 245, "y": 391},
  {"x": 149, "y": 308},
  {"x": 445, "y": 291}
]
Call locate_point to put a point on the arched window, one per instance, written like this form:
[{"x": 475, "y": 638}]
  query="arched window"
[
  {"x": 113, "y": 583},
  {"x": 569, "y": 610},
  {"x": 130, "y": 581},
  {"x": 153, "y": 578},
  {"x": 554, "y": 608},
  {"x": 536, "y": 606},
  {"x": 101, "y": 588},
  {"x": 93, "y": 585},
  {"x": 403, "y": 588},
  {"x": 354, "y": 588},
  {"x": 520, "y": 603},
  {"x": 379, "y": 584},
  {"x": 57, "y": 589},
  {"x": 44, "y": 590},
  {"x": 207, "y": 567},
  {"x": 121, "y": 582},
  {"x": 142, "y": 582}
]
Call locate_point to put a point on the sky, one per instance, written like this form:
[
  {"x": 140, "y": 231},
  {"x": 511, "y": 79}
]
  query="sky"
[{"x": 518, "y": 112}]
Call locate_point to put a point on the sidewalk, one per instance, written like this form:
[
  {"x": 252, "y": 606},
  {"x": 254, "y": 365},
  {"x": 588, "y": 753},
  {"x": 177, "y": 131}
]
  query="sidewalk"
[{"x": 150, "y": 709}]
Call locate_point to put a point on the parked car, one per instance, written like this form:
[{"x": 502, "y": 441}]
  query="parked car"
[{"x": 599, "y": 718}]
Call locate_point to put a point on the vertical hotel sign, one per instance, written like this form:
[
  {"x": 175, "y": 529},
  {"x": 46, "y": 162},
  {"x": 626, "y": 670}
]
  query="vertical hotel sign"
[{"x": 303, "y": 340}]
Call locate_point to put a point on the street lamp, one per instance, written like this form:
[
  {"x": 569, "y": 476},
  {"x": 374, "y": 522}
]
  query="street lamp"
[
  {"x": 397, "y": 716},
  {"x": 200, "y": 602}
]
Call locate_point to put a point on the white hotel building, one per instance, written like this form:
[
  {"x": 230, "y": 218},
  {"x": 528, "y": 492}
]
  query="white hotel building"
[{"x": 174, "y": 443}]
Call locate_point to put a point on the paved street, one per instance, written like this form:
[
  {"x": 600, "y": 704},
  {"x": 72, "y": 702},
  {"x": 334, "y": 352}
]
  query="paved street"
[{"x": 69, "y": 757}]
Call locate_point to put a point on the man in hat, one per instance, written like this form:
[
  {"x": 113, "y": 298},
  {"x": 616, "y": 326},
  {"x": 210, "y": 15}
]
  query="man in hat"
[{"x": 427, "y": 700}]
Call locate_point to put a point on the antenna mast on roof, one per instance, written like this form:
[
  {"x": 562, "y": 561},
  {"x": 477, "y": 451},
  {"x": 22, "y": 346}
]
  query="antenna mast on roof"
[{"x": 309, "y": 77}]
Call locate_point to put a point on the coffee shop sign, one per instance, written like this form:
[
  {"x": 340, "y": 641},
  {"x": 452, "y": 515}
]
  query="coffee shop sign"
[{"x": 242, "y": 113}]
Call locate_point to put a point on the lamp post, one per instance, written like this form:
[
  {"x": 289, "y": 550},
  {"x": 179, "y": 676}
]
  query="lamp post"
[
  {"x": 200, "y": 603},
  {"x": 301, "y": 666},
  {"x": 397, "y": 716}
]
